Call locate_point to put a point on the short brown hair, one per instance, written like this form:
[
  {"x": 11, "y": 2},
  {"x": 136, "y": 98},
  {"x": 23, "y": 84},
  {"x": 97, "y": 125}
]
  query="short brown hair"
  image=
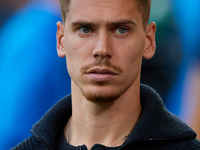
[
  {"x": 64, "y": 8},
  {"x": 144, "y": 7}
]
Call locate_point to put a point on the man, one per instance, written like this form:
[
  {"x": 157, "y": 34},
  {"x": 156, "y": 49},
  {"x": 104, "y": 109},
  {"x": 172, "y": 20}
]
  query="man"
[{"x": 104, "y": 43}]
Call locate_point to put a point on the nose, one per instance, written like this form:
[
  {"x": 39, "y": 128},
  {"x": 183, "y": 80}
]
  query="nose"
[{"x": 103, "y": 46}]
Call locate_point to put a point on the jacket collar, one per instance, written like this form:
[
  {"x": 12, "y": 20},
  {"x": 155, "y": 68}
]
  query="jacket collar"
[
  {"x": 155, "y": 122},
  {"x": 51, "y": 125}
]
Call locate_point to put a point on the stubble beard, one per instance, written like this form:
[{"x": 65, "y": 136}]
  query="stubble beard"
[{"x": 102, "y": 97}]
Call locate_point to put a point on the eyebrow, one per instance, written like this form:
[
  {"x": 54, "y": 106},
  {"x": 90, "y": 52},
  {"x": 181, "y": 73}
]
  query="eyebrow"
[
  {"x": 83, "y": 23},
  {"x": 123, "y": 22},
  {"x": 117, "y": 23}
]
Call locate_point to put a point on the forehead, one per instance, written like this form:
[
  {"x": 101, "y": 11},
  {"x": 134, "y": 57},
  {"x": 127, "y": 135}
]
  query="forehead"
[{"x": 103, "y": 10}]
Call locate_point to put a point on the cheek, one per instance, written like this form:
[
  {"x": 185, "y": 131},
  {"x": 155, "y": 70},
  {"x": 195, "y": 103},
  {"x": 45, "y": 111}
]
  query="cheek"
[
  {"x": 132, "y": 53},
  {"x": 132, "y": 57},
  {"x": 77, "y": 53},
  {"x": 76, "y": 46}
]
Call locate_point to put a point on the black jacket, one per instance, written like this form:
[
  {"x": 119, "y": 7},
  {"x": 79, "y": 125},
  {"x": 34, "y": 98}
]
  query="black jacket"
[{"x": 156, "y": 129}]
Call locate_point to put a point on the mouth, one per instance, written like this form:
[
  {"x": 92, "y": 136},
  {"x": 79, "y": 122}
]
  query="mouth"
[
  {"x": 101, "y": 71},
  {"x": 101, "y": 75}
]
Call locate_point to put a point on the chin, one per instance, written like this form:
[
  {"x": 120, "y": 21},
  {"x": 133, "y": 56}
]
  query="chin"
[{"x": 101, "y": 97}]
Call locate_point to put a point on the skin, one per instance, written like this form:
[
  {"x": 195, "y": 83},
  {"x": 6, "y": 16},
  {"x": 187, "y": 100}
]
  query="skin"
[{"x": 104, "y": 43}]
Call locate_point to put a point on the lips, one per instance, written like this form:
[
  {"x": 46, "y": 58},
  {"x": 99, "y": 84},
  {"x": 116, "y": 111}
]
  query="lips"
[
  {"x": 102, "y": 71},
  {"x": 101, "y": 75}
]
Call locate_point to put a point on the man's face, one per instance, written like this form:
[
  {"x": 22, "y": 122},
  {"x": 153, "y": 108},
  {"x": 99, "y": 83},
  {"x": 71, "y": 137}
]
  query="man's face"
[{"x": 104, "y": 42}]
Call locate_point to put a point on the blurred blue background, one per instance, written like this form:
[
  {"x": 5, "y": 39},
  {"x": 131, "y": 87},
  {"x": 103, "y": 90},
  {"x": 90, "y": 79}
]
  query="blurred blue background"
[{"x": 33, "y": 77}]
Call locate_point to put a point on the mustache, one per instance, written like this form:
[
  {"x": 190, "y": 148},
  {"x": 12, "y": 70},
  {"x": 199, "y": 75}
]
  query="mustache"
[{"x": 101, "y": 63}]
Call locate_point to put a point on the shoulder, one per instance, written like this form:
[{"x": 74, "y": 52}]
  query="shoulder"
[
  {"x": 30, "y": 143},
  {"x": 192, "y": 144},
  {"x": 183, "y": 144},
  {"x": 176, "y": 144}
]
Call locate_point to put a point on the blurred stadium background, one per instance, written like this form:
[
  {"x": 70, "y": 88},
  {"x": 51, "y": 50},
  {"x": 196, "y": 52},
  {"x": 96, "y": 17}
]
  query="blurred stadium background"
[{"x": 33, "y": 77}]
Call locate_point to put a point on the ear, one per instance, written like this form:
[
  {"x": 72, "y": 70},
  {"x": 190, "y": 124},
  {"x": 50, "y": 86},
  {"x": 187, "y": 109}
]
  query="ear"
[
  {"x": 60, "y": 37},
  {"x": 150, "y": 43}
]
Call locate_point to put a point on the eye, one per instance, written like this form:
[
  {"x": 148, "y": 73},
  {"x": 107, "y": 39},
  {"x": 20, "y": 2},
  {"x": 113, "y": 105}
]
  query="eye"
[
  {"x": 85, "y": 29},
  {"x": 121, "y": 30}
]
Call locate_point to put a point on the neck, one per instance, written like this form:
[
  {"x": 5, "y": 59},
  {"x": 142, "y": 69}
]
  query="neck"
[{"x": 104, "y": 123}]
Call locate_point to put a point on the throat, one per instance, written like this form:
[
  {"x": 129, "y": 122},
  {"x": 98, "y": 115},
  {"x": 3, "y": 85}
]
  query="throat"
[
  {"x": 106, "y": 130},
  {"x": 117, "y": 143}
]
